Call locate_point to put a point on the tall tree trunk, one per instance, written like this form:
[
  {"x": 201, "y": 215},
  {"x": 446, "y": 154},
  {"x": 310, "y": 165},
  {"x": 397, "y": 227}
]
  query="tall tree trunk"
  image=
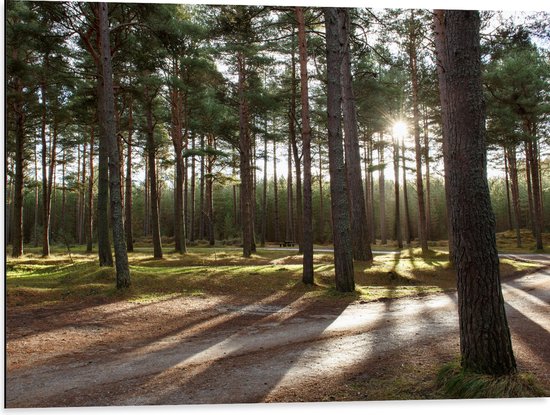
[
  {"x": 146, "y": 209},
  {"x": 20, "y": 139},
  {"x": 46, "y": 202},
  {"x": 109, "y": 133},
  {"x": 177, "y": 141},
  {"x": 321, "y": 197},
  {"x": 422, "y": 238},
  {"x": 103, "y": 240},
  {"x": 82, "y": 192},
  {"x": 209, "y": 192},
  {"x": 89, "y": 211},
  {"x": 128, "y": 186},
  {"x": 360, "y": 236},
  {"x": 192, "y": 224},
  {"x": 428, "y": 181},
  {"x": 529, "y": 189},
  {"x": 245, "y": 148},
  {"x": 408, "y": 225},
  {"x": 290, "y": 198},
  {"x": 512, "y": 161},
  {"x": 535, "y": 184},
  {"x": 307, "y": 214},
  {"x": 264, "y": 193},
  {"x": 201, "y": 188},
  {"x": 297, "y": 219},
  {"x": 398, "y": 235},
  {"x": 276, "y": 193},
  {"x": 507, "y": 183},
  {"x": 36, "y": 205},
  {"x": 343, "y": 255},
  {"x": 153, "y": 185},
  {"x": 485, "y": 341},
  {"x": 47, "y": 182},
  {"x": 382, "y": 192}
]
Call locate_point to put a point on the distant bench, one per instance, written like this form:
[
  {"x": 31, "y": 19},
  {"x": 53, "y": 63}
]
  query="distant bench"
[{"x": 286, "y": 243}]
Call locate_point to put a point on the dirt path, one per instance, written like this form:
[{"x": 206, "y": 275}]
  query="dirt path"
[{"x": 196, "y": 350}]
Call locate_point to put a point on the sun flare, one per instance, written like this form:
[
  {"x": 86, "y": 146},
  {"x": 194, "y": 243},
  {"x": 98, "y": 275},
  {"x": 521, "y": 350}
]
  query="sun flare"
[{"x": 400, "y": 129}]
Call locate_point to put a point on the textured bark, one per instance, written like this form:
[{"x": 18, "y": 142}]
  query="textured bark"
[
  {"x": 485, "y": 341},
  {"x": 153, "y": 185},
  {"x": 422, "y": 238},
  {"x": 192, "y": 226},
  {"x": 90, "y": 201},
  {"x": 46, "y": 193},
  {"x": 201, "y": 192},
  {"x": 297, "y": 219},
  {"x": 360, "y": 236},
  {"x": 321, "y": 197},
  {"x": 245, "y": 148},
  {"x": 529, "y": 189},
  {"x": 176, "y": 103},
  {"x": 264, "y": 194},
  {"x": 307, "y": 214},
  {"x": 103, "y": 238},
  {"x": 128, "y": 186},
  {"x": 507, "y": 183},
  {"x": 109, "y": 127},
  {"x": 289, "y": 198},
  {"x": 343, "y": 256},
  {"x": 17, "y": 228},
  {"x": 512, "y": 162},
  {"x": 536, "y": 188}
]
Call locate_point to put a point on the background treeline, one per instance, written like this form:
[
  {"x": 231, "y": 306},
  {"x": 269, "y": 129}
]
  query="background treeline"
[{"x": 179, "y": 86}]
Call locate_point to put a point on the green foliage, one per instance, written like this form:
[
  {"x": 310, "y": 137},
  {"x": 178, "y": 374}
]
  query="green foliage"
[{"x": 457, "y": 383}]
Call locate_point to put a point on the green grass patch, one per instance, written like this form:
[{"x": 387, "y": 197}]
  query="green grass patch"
[
  {"x": 456, "y": 383},
  {"x": 33, "y": 280}
]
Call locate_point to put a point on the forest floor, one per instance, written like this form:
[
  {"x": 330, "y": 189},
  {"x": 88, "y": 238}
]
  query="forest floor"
[{"x": 73, "y": 346}]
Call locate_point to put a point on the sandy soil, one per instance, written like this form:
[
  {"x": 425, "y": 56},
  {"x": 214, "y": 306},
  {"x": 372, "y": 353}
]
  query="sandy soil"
[{"x": 215, "y": 350}]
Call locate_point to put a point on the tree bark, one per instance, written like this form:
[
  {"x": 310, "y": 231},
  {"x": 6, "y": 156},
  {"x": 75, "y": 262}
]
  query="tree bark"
[
  {"x": 307, "y": 214},
  {"x": 128, "y": 186},
  {"x": 103, "y": 240},
  {"x": 343, "y": 255},
  {"x": 535, "y": 184},
  {"x": 276, "y": 193},
  {"x": 153, "y": 185},
  {"x": 382, "y": 192},
  {"x": 109, "y": 133},
  {"x": 408, "y": 225},
  {"x": 422, "y": 238},
  {"x": 512, "y": 162},
  {"x": 89, "y": 210},
  {"x": 485, "y": 341},
  {"x": 360, "y": 236},
  {"x": 264, "y": 194},
  {"x": 507, "y": 183},
  {"x": 20, "y": 139},
  {"x": 192, "y": 225},
  {"x": 245, "y": 149},
  {"x": 398, "y": 235}
]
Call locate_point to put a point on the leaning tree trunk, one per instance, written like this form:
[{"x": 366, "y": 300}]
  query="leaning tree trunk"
[
  {"x": 341, "y": 230},
  {"x": 485, "y": 341},
  {"x": 307, "y": 214},
  {"x": 109, "y": 133},
  {"x": 360, "y": 236}
]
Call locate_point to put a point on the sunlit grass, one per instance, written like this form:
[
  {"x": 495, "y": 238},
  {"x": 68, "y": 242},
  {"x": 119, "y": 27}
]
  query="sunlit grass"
[{"x": 203, "y": 272}]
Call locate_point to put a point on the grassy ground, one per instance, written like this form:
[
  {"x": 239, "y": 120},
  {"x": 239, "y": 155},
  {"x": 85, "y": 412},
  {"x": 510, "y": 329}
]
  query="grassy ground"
[{"x": 35, "y": 280}]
